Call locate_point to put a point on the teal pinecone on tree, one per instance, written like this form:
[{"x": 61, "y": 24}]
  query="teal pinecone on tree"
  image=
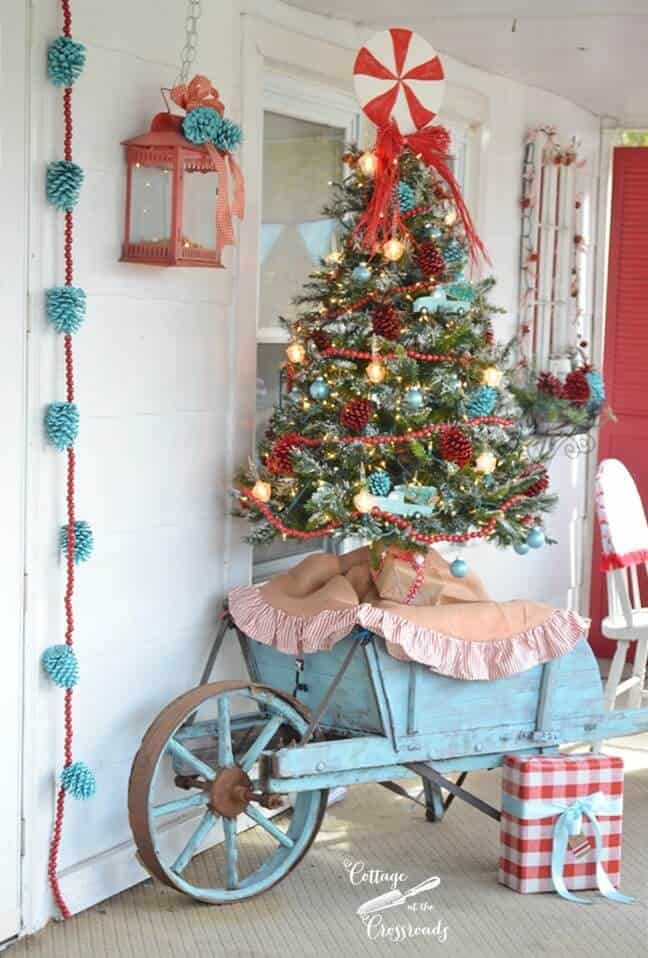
[
  {"x": 454, "y": 254},
  {"x": 406, "y": 197},
  {"x": 482, "y": 401},
  {"x": 379, "y": 483}
]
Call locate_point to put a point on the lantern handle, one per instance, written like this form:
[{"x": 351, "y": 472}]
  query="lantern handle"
[{"x": 164, "y": 90}]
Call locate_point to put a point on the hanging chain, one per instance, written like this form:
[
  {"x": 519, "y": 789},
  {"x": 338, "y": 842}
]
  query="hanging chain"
[{"x": 188, "y": 52}]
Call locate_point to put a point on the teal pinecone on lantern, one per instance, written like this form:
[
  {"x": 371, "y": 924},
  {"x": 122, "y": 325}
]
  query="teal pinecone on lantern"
[
  {"x": 202, "y": 125},
  {"x": 482, "y": 401},
  {"x": 62, "y": 666},
  {"x": 379, "y": 483},
  {"x": 83, "y": 541},
  {"x": 65, "y": 61},
  {"x": 406, "y": 197},
  {"x": 78, "y": 780},
  {"x": 64, "y": 181},
  {"x": 66, "y": 308},
  {"x": 62, "y": 424},
  {"x": 228, "y": 136},
  {"x": 597, "y": 391},
  {"x": 454, "y": 254}
]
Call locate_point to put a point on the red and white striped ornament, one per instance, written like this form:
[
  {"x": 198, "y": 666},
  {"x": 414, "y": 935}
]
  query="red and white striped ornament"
[{"x": 398, "y": 75}]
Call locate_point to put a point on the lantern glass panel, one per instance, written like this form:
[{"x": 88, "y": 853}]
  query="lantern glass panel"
[
  {"x": 151, "y": 202},
  {"x": 199, "y": 208}
]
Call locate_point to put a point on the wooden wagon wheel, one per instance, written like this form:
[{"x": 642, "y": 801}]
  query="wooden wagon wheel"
[{"x": 223, "y": 792}]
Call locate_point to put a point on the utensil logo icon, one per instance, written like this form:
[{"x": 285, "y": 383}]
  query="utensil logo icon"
[{"x": 393, "y": 899}]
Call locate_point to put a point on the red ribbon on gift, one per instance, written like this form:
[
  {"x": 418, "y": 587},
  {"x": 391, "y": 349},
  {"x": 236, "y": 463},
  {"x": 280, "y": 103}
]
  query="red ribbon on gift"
[
  {"x": 382, "y": 218},
  {"x": 417, "y": 562}
]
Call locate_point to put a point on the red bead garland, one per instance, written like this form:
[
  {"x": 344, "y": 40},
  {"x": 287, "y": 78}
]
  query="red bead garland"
[
  {"x": 411, "y": 353},
  {"x": 411, "y": 288}
]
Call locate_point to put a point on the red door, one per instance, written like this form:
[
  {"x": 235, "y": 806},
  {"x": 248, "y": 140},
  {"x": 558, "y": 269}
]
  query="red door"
[{"x": 626, "y": 347}]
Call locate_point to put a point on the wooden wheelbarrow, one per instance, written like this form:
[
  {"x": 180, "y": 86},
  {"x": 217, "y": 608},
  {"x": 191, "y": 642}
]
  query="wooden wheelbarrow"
[{"x": 227, "y": 755}]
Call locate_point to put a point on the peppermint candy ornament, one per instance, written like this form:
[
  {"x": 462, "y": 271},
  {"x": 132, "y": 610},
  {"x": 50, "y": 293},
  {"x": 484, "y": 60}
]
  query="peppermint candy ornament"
[{"x": 398, "y": 75}]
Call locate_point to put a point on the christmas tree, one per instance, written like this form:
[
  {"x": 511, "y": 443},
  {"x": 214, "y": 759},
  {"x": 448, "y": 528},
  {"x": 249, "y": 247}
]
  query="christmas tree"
[{"x": 398, "y": 425}]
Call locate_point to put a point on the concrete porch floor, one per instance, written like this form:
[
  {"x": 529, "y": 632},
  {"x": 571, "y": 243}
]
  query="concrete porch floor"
[{"x": 313, "y": 911}]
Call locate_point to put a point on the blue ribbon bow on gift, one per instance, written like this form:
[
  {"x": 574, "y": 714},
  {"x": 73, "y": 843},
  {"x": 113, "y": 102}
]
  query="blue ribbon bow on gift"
[{"x": 568, "y": 823}]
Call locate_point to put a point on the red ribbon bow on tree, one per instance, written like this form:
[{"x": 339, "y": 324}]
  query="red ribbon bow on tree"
[{"x": 382, "y": 218}]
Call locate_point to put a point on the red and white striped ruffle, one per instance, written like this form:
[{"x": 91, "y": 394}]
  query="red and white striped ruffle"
[{"x": 446, "y": 654}]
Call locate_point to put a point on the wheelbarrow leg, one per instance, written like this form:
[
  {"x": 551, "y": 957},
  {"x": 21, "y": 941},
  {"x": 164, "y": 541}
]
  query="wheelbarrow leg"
[{"x": 434, "y": 805}]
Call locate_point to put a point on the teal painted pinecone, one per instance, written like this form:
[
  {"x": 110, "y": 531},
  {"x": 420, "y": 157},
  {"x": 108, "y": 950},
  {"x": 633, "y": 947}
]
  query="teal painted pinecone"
[
  {"x": 62, "y": 424},
  {"x": 406, "y": 197},
  {"x": 66, "y": 308},
  {"x": 64, "y": 181},
  {"x": 202, "y": 125},
  {"x": 379, "y": 483},
  {"x": 83, "y": 541},
  {"x": 482, "y": 401},
  {"x": 62, "y": 666},
  {"x": 78, "y": 780},
  {"x": 228, "y": 136},
  {"x": 454, "y": 255},
  {"x": 65, "y": 61},
  {"x": 597, "y": 391}
]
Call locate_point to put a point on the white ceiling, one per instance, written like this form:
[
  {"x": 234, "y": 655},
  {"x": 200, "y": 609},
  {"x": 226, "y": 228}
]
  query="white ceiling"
[{"x": 591, "y": 51}]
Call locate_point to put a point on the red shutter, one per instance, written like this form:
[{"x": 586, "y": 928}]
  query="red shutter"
[{"x": 626, "y": 344}]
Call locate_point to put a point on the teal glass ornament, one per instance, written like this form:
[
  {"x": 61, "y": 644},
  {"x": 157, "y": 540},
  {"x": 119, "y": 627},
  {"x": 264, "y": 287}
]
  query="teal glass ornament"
[
  {"x": 361, "y": 274},
  {"x": 432, "y": 230},
  {"x": 459, "y": 568},
  {"x": 414, "y": 398},
  {"x": 521, "y": 548},
  {"x": 535, "y": 538},
  {"x": 319, "y": 389}
]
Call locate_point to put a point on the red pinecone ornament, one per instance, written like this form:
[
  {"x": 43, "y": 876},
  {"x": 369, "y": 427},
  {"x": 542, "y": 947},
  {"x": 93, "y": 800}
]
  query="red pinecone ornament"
[
  {"x": 279, "y": 459},
  {"x": 549, "y": 384},
  {"x": 356, "y": 414},
  {"x": 430, "y": 259},
  {"x": 540, "y": 485},
  {"x": 386, "y": 322},
  {"x": 576, "y": 388},
  {"x": 321, "y": 340},
  {"x": 455, "y": 446}
]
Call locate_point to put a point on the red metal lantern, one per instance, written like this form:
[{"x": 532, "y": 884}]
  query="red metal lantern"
[{"x": 171, "y": 199}]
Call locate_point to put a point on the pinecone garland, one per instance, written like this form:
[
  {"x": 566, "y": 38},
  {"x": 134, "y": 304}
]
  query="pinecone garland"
[
  {"x": 356, "y": 414},
  {"x": 386, "y": 322},
  {"x": 455, "y": 446},
  {"x": 279, "y": 459},
  {"x": 321, "y": 340},
  {"x": 576, "y": 388},
  {"x": 549, "y": 384},
  {"x": 430, "y": 259}
]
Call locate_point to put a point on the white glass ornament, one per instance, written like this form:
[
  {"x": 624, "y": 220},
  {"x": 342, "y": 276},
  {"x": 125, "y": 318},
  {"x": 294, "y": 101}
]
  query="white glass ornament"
[
  {"x": 486, "y": 462},
  {"x": 296, "y": 353},
  {"x": 368, "y": 163},
  {"x": 376, "y": 372},
  {"x": 393, "y": 249},
  {"x": 492, "y": 376}
]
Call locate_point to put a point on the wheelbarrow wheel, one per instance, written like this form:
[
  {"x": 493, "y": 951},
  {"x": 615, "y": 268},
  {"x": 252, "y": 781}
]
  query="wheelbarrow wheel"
[{"x": 214, "y": 743}]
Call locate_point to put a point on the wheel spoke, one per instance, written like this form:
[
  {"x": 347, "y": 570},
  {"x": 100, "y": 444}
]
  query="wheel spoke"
[
  {"x": 231, "y": 853},
  {"x": 183, "y": 753},
  {"x": 183, "y": 859},
  {"x": 179, "y": 805},
  {"x": 269, "y": 826},
  {"x": 225, "y": 754},
  {"x": 260, "y": 742}
]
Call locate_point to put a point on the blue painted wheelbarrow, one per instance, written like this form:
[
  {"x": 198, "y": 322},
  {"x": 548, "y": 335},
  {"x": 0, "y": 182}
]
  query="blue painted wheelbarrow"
[{"x": 228, "y": 755}]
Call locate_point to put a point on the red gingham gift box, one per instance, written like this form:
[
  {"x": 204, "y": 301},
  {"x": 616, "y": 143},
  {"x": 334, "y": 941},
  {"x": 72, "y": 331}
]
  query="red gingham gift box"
[{"x": 526, "y": 843}]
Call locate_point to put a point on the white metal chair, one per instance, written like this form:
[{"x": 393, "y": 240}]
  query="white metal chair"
[{"x": 624, "y": 540}]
